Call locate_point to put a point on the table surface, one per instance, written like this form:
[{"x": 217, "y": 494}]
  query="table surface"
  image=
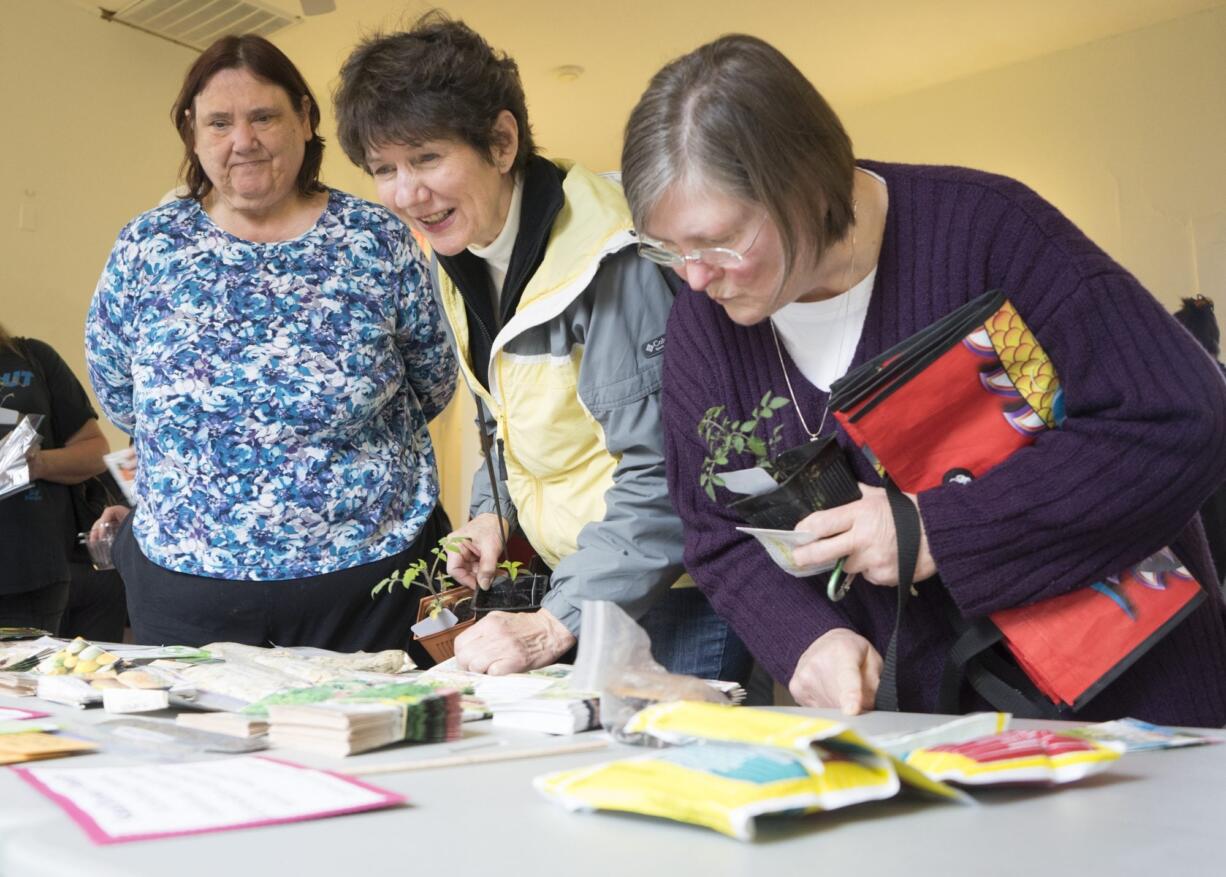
[{"x": 1152, "y": 813}]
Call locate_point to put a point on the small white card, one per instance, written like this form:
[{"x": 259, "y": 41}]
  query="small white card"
[
  {"x": 140, "y": 802},
  {"x": 134, "y": 700},
  {"x": 751, "y": 482},
  {"x": 445, "y": 620},
  {"x": 780, "y": 544}
]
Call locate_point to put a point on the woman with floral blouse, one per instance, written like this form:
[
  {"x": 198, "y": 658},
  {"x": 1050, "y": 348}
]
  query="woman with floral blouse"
[{"x": 273, "y": 348}]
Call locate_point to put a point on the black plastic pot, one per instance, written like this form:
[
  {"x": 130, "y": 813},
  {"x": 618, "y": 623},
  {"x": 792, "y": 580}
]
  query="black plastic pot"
[
  {"x": 813, "y": 476},
  {"x": 521, "y": 594}
]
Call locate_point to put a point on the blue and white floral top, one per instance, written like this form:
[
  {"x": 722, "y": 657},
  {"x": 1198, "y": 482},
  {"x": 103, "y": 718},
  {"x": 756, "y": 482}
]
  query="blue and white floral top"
[{"x": 278, "y": 393}]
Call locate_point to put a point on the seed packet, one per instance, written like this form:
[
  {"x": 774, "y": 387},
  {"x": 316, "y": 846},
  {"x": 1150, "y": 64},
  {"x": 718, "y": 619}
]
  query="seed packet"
[
  {"x": 780, "y": 544},
  {"x": 729, "y": 765},
  {"x": 1139, "y": 736},
  {"x": 958, "y": 730},
  {"x": 1031, "y": 757}
]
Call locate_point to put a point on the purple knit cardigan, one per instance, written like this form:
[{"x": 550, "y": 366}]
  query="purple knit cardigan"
[{"x": 1143, "y": 446}]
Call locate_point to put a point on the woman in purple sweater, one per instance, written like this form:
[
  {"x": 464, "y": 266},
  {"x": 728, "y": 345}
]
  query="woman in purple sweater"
[{"x": 801, "y": 262}]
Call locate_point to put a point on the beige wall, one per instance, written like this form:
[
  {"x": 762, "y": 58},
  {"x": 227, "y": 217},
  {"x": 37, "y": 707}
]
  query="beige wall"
[
  {"x": 1127, "y": 135},
  {"x": 87, "y": 145}
]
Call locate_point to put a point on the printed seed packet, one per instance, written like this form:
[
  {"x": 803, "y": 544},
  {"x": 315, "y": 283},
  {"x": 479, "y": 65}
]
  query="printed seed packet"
[
  {"x": 1139, "y": 736},
  {"x": 780, "y": 544},
  {"x": 1029, "y": 757},
  {"x": 727, "y": 766}
]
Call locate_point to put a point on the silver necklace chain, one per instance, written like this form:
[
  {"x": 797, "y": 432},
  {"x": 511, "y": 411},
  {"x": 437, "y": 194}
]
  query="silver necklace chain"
[{"x": 814, "y": 436}]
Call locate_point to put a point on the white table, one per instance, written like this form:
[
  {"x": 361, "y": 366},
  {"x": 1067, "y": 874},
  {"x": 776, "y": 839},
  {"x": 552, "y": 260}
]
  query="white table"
[{"x": 1157, "y": 813}]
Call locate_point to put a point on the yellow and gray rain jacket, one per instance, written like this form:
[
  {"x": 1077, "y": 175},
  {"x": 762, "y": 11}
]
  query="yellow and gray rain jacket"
[{"x": 572, "y": 389}]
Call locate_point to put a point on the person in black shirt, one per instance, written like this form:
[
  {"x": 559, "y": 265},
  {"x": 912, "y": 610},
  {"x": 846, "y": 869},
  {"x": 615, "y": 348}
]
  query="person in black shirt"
[
  {"x": 1196, "y": 315},
  {"x": 37, "y": 524}
]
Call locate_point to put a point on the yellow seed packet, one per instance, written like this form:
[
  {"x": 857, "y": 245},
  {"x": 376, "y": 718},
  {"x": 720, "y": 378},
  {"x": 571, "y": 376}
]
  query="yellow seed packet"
[
  {"x": 1016, "y": 757},
  {"x": 730, "y": 765}
]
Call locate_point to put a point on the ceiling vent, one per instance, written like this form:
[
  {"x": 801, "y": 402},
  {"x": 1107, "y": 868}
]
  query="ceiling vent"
[{"x": 198, "y": 23}]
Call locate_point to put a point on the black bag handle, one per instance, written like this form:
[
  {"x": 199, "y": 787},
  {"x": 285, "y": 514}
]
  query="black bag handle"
[{"x": 974, "y": 658}]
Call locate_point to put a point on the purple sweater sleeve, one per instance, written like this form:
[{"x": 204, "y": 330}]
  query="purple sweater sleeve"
[
  {"x": 777, "y": 615},
  {"x": 1143, "y": 445}
]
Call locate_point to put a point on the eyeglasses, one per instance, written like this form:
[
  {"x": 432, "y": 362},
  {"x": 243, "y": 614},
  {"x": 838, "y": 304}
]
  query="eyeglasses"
[{"x": 714, "y": 257}]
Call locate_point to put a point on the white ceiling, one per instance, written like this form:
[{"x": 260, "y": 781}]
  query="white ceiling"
[{"x": 856, "y": 53}]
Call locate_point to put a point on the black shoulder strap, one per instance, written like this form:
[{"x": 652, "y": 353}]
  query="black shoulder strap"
[{"x": 907, "y": 527}]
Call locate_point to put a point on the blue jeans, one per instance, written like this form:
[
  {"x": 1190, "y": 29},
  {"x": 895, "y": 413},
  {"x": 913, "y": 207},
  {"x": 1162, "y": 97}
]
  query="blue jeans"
[{"x": 688, "y": 637}]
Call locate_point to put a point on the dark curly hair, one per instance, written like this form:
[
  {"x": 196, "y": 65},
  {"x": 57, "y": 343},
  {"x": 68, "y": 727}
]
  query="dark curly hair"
[
  {"x": 1197, "y": 317},
  {"x": 438, "y": 81},
  {"x": 265, "y": 61}
]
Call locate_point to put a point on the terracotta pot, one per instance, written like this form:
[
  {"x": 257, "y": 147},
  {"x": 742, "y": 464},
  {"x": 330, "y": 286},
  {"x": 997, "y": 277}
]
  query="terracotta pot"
[{"x": 441, "y": 646}]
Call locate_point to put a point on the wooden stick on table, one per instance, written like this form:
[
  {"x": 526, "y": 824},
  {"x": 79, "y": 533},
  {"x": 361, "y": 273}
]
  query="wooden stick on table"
[{"x": 479, "y": 758}]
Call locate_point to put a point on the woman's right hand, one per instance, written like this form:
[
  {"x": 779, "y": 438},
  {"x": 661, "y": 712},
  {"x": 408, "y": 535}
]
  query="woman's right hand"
[
  {"x": 112, "y": 514},
  {"x": 840, "y": 670},
  {"x": 474, "y": 562}
]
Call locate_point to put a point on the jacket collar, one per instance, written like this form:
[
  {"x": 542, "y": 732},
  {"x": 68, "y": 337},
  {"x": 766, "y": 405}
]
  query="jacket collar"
[{"x": 542, "y": 201}]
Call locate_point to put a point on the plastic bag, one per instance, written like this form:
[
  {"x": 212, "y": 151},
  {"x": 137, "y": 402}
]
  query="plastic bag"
[
  {"x": 615, "y": 660},
  {"x": 14, "y": 473}
]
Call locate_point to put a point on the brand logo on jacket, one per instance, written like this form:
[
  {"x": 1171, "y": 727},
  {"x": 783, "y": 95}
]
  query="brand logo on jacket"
[{"x": 654, "y": 347}]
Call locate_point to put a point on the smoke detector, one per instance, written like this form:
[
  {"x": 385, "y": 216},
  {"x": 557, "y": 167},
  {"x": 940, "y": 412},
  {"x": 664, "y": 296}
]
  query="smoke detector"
[{"x": 567, "y": 72}]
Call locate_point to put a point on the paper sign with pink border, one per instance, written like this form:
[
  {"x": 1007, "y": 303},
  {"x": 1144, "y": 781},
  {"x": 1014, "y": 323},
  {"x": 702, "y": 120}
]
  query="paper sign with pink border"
[{"x": 354, "y": 795}]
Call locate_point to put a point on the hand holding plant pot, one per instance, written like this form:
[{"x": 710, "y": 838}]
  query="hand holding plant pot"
[
  {"x": 473, "y": 560},
  {"x": 803, "y": 479},
  {"x": 863, "y": 532},
  {"x": 787, "y": 487}
]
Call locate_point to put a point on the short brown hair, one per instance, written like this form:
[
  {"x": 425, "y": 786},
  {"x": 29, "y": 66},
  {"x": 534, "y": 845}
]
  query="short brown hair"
[
  {"x": 266, "y": 61},
  {"x": 7, "y": 342},
  {"x": 438, "y": 81},
  {"x": 738, "y": 115}
]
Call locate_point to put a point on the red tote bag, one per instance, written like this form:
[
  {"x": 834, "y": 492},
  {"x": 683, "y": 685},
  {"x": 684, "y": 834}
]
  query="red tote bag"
[{"x": 948, "y": 405}]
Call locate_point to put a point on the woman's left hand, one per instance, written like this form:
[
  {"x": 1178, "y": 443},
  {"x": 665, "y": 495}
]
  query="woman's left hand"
[
  {"x": 511, "y": 642},
  {"x": 863, "y": 532}
]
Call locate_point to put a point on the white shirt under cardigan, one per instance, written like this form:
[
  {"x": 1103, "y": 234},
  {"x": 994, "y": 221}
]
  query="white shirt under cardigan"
[{"x": 821, "y": 336}]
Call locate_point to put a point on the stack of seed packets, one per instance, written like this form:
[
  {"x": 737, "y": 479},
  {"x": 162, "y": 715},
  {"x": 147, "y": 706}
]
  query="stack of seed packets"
[
  {"x": 39, "y": 745},
  {"x": 358, "y": 721},
  {"x": 25, "y": 735}
]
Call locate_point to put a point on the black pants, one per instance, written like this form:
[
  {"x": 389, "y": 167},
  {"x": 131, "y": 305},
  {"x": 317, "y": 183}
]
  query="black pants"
[
  {"x": 42, "y": 608},
  {"x": 331, "y": 611},
  {"x": 96, "y": 609}
]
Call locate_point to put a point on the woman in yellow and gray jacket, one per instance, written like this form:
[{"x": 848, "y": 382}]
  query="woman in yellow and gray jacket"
[{"x": 559, "y": 329}]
